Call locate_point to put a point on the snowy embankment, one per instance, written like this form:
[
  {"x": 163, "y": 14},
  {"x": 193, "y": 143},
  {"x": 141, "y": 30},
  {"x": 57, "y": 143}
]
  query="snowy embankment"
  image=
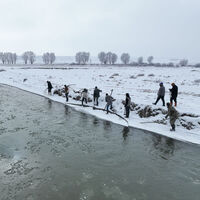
[{"x": 141, "y": 82}]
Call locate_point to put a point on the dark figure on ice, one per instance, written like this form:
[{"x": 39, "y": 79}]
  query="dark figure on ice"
[
  {"x": 66, "y": 92},
  {"x": 127, "y": 104},
  {"x": 174, "y": 94},
  {"x": 173, "y": 115},
  {"x": 84, "y": 96},
  {"x": 161, "y": 94},
  {"x": 96, "y": 95},
  {"x": 49, "y": 87},
  {"x": 109, "y": 101}
]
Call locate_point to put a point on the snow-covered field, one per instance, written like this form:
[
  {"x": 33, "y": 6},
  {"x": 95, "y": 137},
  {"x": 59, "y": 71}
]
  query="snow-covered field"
[{"x": 141, "y": 82}]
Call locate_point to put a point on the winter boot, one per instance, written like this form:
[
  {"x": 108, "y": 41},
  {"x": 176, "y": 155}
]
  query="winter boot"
[
  {"x": 173, "y": 128},
  {"x": 175, "y": 104}
]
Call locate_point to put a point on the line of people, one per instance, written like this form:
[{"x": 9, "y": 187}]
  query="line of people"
[{"x": 172, "y": 112}]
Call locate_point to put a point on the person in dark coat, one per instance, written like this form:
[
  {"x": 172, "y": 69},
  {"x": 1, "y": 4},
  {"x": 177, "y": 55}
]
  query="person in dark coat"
[
  {"x": 109, "y": 101},
  {"x": 49, "y": 87},
  {"x": 66, "y": 92},
  {"x": 127, "y": 104},
  {"x": 161, "y": 94},
  {"x": 96, "y": 95},
  {"x": 173, "y": 115},
  {"x": 174, "y": 94}
]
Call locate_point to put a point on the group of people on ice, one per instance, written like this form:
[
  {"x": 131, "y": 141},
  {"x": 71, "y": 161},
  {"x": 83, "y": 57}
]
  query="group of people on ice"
[{"x": 172, "y": 112}]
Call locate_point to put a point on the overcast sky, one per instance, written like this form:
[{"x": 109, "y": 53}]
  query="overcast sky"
[{"x": 162, "y": 28}]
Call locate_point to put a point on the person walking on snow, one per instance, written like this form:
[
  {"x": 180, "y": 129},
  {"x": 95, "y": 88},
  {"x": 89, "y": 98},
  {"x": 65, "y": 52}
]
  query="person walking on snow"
[
  {"x": 66, "y": 92},
  {"x": 49, "y": 87},
  {"x": 174, "y": 94},
  {"x": 127, "y": 104},
  {"x": 109, "y": 101},
  {"x": 173, "y": 115},
  {"x": 96, "y": 95},
  {"x": 84, "y": 96},
  {"x": 161, "y": 94}
]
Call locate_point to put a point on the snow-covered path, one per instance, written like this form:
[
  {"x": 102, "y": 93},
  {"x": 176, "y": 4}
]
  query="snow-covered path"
[{"x": 141, "y": 82}]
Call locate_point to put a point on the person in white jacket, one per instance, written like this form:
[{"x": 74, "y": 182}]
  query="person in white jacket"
[{"x": 84, "y": 96}]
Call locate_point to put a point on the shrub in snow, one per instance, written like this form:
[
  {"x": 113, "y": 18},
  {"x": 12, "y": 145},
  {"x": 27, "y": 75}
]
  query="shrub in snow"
[
  {"x": 197, "y": 81},
  {"x": 125, "y": 58},
  {"x": 157, "y": 65},
  {"x": 140, "y": 75},
  {"x": 147, "y": 111},
  {"x": 134, "y": 63},
  {"x": 151, "y": 75},
  {"x": 150, "y": 59},
  {"x": 197, "y": 65},
  {"x": 164, "y": 65},
  {"x": 132, "y": 77},
  {"x": 183, "y": 62},
  {"x": 115, "y": 74},
  {"x": 140, "y": 60},
  {"x": 170, "y": 64}
]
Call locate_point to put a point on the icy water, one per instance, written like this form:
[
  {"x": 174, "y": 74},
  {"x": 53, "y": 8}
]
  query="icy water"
[{"x": 49, "y": 151}]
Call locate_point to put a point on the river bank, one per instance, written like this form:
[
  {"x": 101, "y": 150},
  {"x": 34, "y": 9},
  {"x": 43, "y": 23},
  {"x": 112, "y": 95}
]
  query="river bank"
[{"x": 141, "y": 83}]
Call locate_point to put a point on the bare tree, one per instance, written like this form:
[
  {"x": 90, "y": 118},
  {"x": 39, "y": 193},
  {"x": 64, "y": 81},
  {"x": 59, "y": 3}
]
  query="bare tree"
[
  {"x": 8, "y": 58},
  {"x": 14, "y": 58},
  {"x": 150, "y": 59},
  {"x": 140, "y": 60},
  {"x": 114, "y": 58},
  {"x": 32, "y": 57},
  {"x": 86, "y": 57},
  {"x": 4, "y": 58},
  {"x": 102, "y": 57},
  {"x": 45, "y": 58},
  {"x": 29, "y": 56},
  {"x": 25, "y": 57},
  {"x": 52, "y": 58},
  {"x": 82, "y": 57},
  {"x": 1, "y": 56},
  {"x": 78, "y": 58},
  {"x": 109, "y": 58},
  {"x": 183, "y": 62},
  {"x": 125, "y": 58}
]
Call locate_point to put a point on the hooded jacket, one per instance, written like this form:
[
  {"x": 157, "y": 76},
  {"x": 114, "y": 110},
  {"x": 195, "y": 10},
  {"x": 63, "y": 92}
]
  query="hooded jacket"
[
  {"x": 172, "y": 112},
  {"x": 161, "y": 91}
]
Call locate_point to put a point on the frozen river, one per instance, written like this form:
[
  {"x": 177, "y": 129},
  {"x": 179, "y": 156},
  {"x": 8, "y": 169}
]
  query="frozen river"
[{"x": 50, "y": 151}]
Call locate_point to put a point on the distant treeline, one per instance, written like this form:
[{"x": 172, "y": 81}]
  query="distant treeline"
[{"x": 82, "y": 58}]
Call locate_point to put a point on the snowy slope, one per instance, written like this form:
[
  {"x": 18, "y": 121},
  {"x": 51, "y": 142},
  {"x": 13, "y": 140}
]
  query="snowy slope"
[{"x": 141, "y": 82}]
